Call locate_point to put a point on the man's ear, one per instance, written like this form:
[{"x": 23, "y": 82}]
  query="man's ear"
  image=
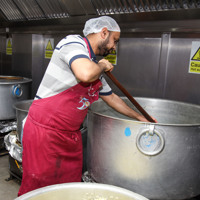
[{"x": 104, "y": 33}]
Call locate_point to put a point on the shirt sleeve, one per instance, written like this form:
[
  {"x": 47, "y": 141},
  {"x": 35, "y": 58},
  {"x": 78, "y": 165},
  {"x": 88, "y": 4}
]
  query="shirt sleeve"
[
  {"x": 71, "y": 49},
  {"x": 106, "y": 90}
]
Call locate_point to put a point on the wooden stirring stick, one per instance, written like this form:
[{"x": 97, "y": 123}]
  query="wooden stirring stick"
[{"x": 135, "y": 103}]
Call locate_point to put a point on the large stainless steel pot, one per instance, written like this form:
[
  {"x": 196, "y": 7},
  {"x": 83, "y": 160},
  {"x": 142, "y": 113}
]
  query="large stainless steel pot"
[
  {"x": 81, "y": 191},
  {"x": 21, "y": 108},
  {"x": 159, "y": 161},
  {"x": 12, "y": 90}
]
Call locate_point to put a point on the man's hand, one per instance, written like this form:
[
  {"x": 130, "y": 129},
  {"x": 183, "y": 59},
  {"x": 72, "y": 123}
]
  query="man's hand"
[
  {"x": 86, "y": 70},
  {"x": 143, "y": 119},
  {"x": 106, "y": 65}
]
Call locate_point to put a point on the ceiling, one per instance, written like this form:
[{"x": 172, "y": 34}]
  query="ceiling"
[{"x": 20, "y": 14}]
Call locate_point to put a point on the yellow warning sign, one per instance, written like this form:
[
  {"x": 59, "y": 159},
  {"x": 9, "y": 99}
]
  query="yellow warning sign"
[
  {"x": 49, "y": 47},
  {"x": 194, "y": 65},
  {"x": 197, "y": 55},
  {"x": 112, "y": 57},
  {"x": 9, "y": 46}
]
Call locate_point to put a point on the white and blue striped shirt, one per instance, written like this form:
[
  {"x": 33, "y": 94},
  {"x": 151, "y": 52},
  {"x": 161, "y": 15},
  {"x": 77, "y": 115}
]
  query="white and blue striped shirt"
[{"x": 59, "y": 76}]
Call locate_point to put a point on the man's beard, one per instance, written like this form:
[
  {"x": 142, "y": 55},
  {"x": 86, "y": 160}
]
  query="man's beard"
[{"x": 103, "y": 50}]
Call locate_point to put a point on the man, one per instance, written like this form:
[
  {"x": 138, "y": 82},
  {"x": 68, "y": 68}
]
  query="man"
[{"x": 52, "y": 144}]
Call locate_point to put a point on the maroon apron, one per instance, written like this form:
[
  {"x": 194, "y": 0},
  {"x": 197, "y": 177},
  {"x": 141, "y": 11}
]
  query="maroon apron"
[{"x": 52, "y": 141}]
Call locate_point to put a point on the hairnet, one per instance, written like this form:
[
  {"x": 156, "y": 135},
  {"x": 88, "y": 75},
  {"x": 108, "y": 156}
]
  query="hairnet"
[{"x": 95, "y": 25}]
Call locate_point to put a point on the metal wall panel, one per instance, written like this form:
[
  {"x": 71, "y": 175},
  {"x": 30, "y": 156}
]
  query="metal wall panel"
[
  {"x": 1, "y": 53},
  {"x": 5, "y": 60},
  {"x": 22, "y": 55},
  {"x": 138, "y": 65},
  {"x": 29, "y": 58},
  {"x": 38, "y": 64},
  {"x": 158, "y": 68},
  {"x": 181, "y": 85},
  {"x": 147, "y": 66}
]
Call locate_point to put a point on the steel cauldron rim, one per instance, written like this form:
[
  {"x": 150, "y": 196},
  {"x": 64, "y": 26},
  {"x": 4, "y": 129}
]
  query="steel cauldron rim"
[
  {"x": 81, "y": 185},
  {"x": 148, "y": 123},
  {"x": 10, "y": 81}
]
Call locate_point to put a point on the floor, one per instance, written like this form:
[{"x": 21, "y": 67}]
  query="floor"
[{"x": 8, "y": 189}]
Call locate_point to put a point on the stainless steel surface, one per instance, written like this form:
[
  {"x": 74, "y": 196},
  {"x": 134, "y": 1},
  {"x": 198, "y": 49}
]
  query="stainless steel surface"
[
  {"x": 39, "y": 64},
  {"x": 22, "y": 55},
  {"x": 28, "y": 60},
  {"x": 10, "y": 10},
  {"x": 138, "y": 65},
  {"x": 81, "y": 191},
  {"x": 21, "y": 108},
  {"x": 64, "y": 15},
  {"x": 1, "y": 53},
  {"x": 163, "y": 60},
  {"x": 12, "y": 91},
  {"x": 40, "y": 9},
  {"x": 157, "y": 67},
  {"x": 126, "y": 6},
  {"x": 180, "y": 84},
  {"x": 164, "y": 165},
  {"x": 5, "y": 60},
  {"x": 147, "y": 65},
  {"x": 129, "y": 23}
]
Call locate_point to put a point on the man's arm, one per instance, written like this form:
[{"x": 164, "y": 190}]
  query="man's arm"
[
  {"x": 119, "y": 105},
  {"x": 86, "y": 70}
]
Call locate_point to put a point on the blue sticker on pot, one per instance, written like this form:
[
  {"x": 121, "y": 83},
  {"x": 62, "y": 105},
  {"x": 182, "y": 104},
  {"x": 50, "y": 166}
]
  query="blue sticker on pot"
[{"x": 127, "y": 132}]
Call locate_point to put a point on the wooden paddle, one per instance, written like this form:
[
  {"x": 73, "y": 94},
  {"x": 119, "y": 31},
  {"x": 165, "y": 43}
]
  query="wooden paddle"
[{"x": 135, "y": 103}]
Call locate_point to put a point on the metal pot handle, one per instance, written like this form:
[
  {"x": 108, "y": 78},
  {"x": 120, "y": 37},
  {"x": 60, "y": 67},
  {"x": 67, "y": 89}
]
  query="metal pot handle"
[
  {"x": 150, "y": 141},
  {"x": 17, "y": 90}
]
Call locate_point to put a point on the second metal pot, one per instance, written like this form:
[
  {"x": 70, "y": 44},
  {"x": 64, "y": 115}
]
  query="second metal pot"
[
  {"x": 21, "y": 108},
  {"x": 12, "y": 90}
]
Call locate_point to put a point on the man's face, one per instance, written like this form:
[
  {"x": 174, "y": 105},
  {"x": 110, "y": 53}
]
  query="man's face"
[{"x": 109, "y": 44}]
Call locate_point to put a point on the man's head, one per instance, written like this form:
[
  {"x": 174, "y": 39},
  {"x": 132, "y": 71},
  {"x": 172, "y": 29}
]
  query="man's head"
[
  {"x": 95, "y": 25},
  {"x": 108, "y": 33}
]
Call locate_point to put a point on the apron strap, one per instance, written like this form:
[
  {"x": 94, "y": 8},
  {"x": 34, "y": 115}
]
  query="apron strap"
[{"x": 88, "y": 47}]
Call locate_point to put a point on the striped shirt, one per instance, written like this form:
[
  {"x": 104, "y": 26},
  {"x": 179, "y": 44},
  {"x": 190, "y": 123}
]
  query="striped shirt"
[{"x": 59, "y": 76}]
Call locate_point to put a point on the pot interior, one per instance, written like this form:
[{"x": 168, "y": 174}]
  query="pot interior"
[
  {"x": 81, "y": 191},
  {"x": 165, "y": 111}
]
